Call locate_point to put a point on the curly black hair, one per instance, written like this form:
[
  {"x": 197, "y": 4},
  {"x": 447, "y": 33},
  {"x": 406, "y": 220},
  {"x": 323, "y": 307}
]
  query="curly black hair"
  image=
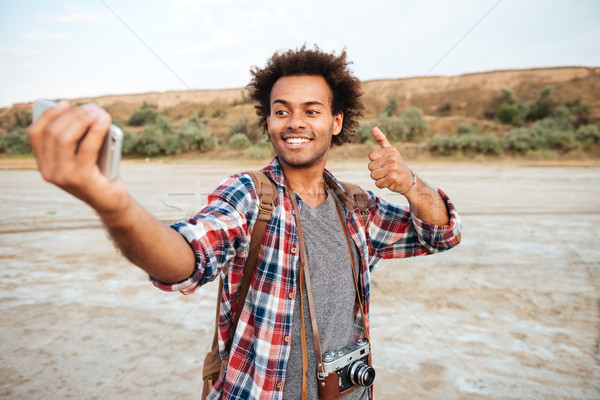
[{"x": 345, "y": 88}]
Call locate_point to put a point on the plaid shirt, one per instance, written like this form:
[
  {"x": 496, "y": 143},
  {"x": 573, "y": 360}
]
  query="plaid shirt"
[{"x": 219, "y": 235}]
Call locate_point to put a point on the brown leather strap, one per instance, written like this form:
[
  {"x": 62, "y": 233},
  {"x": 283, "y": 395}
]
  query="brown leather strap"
[
  {"x": 359, "y": 196},
  {"x": 362, "y": 312},
  {"x": 305, "y": 280},
  {"x": 266, "y": 192}
]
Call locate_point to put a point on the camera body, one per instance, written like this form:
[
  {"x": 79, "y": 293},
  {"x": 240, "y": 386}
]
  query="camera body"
[{"x": 351, "y": 365}]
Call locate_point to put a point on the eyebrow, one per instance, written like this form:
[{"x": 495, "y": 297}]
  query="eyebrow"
[{"x": 306, "y": 103}]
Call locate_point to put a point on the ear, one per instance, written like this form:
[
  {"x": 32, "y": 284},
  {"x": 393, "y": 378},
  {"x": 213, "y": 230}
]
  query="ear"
[{"x": 338, "y": 120}]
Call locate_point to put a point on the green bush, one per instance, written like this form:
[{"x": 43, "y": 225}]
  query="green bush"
[
  {"x": 239, "y": 141},
  {"x": 544, "y": 105},
  {"x": 261, "y": 150},
  {"x": 410, "y": 126},
  {"x": 130, "y": 142},
  {"x": 15, "y": 142},
  {"x": 195, "y": 136},
  {"x": 155, "y": 141},
  {"x": 521, "y": 140},
  {"x": 555, "y": 134},
  {"x": 146, "y": 114},
  {"x": 465, "y": 129},
  {"x": 393, "y": 128},
  {"x": 442, "y": 145},
  {"x": 22, "y": 118},
  {"x": 391, "y": 107},
  {"x": 415, "y": 125},
  {"x": 363, "y": 133},
  {"x": 240, "y": 126},
  {"x": 588, "y": 135},
  {"x": 508, "y": 113}
]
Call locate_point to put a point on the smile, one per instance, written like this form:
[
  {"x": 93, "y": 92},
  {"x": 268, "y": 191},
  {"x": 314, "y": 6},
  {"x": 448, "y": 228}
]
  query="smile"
[{"x": 297, "y": 140}]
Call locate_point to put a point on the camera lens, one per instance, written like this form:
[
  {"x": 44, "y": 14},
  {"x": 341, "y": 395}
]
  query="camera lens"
[{"x": 361, "y": 374}]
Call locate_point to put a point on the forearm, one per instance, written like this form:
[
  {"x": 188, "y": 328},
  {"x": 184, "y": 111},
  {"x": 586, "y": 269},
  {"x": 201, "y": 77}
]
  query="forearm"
[
  {"x": 427, "y": 204},
  {"x": 156, "y": 248}
]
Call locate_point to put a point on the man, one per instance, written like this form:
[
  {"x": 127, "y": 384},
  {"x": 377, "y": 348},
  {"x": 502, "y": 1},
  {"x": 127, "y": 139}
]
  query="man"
[{"x": 307, "y": 100}]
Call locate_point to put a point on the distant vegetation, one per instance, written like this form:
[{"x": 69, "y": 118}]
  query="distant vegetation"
[{"x": 543, "y": 128}]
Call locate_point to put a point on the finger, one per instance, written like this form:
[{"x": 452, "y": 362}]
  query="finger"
[
  {"x": 62, "y": 138},
  {"x": 380, "y": 137},
  {"x": 35, "y": 131},
  {"x": 90, "y": 145},
  {"x": 379, "y": 173}
]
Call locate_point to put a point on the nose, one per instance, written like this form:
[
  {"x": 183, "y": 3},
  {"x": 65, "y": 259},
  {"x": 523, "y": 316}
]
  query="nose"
[{"x": 296, "y": 121}]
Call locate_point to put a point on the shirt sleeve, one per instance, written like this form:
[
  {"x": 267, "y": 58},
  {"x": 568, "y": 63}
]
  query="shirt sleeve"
[
  {"x": 395, "y": 232},
  {"x": 219, "y": 234}
]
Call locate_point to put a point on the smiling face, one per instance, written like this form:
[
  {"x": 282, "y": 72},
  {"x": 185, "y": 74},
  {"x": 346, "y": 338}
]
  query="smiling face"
[{"x": 301, "y": 124}]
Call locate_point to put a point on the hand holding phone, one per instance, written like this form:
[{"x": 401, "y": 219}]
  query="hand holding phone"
[{"x": 110, "y": 153}]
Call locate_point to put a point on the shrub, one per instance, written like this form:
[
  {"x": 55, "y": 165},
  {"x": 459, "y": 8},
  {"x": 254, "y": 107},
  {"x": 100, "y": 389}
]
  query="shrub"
[
  {"x": 544, "y": 105},
  {"x": 520, "y": 140},
  {"x": 239, "y": 141},
  {"x": 260, "y": 150},
  {"x": 240, "y": 126},
  {"x": 363, "y": 133},
  {"x": 393, "y": 128},
  {"x": 146, "y": 114},
  {"x": 22, "y": 118},
  {"x": 130, "y": 142},
  {"x": 415, "y": 125},
  {"x": 476, "y": 144},
  {"x": 391, "y": 107},
  {"x": 464, "y": 129},
  {"x": 154, "y": 141},
  {"x": 15, "y": 142},
  {"x": 195, "y": 136},
  {"x": 588, "y": 135},
  {"x": 442, "y": 145},
  {"x": 410, "y": 126},
  {"x": 508, "y": 113}
]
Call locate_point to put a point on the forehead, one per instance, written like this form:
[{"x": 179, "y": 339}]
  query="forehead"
[{"x": 301, "y": 89}]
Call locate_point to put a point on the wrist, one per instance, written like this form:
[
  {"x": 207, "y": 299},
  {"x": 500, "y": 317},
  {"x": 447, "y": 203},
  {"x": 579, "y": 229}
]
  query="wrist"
[{"x": 412, "y": 184}]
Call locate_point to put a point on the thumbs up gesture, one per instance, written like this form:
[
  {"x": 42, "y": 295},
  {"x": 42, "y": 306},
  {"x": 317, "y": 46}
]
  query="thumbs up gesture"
[{"x": 387, "y": 167}]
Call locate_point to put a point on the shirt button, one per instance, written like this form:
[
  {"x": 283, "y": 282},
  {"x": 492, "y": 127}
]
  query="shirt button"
[
  {"x": 286, "y": 339},
  {"x": 293, "y": 250},
  {"x": 291, "y": 295},
  {"x": 279, "y": 385}
]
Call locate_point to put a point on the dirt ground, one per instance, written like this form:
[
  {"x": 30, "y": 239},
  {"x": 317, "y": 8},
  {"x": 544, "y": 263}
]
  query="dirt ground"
[{"x": 512, "y": 313}]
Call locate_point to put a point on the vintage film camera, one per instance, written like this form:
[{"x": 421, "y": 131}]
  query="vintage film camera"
[{"x": 349, "y": 367}]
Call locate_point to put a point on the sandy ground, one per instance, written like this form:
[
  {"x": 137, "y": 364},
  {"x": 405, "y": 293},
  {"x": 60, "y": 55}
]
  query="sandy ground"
[{"x": 512, "y": 313}]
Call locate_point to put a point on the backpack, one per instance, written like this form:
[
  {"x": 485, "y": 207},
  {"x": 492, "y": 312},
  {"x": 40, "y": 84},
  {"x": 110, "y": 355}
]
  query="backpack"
[{"x": 213, "y": 366}]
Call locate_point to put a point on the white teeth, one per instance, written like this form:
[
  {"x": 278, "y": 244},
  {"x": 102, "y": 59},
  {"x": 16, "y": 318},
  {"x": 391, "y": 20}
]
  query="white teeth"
[{"x": 296, "y": 140}]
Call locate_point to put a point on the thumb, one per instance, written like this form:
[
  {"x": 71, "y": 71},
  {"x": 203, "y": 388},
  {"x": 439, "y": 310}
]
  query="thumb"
[{"x": 380, "y": 137}]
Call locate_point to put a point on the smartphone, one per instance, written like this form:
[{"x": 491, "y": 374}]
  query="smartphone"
[{"x": 110, "y": 153}]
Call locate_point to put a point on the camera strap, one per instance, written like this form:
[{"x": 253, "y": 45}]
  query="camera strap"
[{"x": 305, "y": 279}]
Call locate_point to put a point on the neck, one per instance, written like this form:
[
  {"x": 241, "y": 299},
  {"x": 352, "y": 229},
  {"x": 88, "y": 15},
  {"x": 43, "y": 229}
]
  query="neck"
[{"x": 307, "y": 182}]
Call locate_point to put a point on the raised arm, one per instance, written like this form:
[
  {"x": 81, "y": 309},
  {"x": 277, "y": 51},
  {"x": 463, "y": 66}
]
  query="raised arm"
[
  {"x": 389, "y": 170},
  {"x": 66, "y": 142}
]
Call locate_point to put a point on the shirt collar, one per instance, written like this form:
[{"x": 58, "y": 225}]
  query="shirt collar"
[{"x": 273, "y": 170}]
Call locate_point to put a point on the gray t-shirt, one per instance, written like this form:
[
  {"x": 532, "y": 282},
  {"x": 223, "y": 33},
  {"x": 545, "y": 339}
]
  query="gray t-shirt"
[{"x": 334, "y": 296}]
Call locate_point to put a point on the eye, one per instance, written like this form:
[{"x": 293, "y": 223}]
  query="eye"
[{"x": 312, "y": 112}]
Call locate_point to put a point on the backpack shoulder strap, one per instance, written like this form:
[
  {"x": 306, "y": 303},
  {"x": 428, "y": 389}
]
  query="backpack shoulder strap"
[
  {"x": 266, "y": 192},
  {"x": 360, "y": 198}
]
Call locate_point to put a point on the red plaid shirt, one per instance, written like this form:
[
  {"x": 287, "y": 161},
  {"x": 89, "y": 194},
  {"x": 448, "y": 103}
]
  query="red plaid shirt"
[{"x": 220, "y": 235}]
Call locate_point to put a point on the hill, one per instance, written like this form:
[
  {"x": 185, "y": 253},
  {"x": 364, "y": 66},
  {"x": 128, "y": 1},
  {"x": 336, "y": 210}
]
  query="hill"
[
  {"x": 468, "y": 95},
  {"x": 448, "y": 103}
]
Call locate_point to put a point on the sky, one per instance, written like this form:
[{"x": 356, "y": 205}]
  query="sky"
[{"x": 68, "y": 49}]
